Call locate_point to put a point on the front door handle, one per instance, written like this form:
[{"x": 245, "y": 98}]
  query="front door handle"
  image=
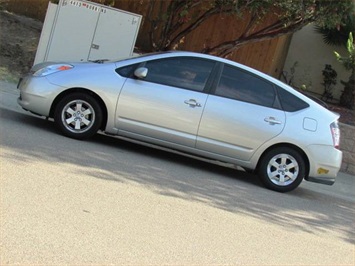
[
  {"x": 192, "y": 103},
  {"x": 272, "y": 120}
]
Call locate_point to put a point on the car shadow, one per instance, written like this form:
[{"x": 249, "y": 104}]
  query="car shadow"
[{"x": 172, "y": 175}]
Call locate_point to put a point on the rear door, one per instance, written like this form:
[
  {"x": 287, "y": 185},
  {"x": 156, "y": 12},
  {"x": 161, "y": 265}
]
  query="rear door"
[
  {"x": 165, "y": 107},
  {"x": 240, "y": 116}
]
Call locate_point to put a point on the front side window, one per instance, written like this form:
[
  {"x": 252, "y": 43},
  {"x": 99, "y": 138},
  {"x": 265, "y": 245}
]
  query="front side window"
[
  {"x": 183, "y": 72},
  {"x": 243, "y": 86},
  {"x": 127, "y": 71}
]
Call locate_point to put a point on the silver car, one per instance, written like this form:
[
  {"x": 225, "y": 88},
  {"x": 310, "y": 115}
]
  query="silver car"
[{"x": 196, "y": 104}]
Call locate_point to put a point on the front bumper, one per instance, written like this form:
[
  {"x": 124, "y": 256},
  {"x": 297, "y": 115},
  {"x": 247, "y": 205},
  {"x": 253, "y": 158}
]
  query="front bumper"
[{"x": 36, "y": 94}]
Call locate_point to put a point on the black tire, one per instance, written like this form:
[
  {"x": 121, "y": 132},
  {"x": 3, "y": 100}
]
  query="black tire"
[
  {"x": 78, "y": 116},
  {"x": 282, "y": 169}
]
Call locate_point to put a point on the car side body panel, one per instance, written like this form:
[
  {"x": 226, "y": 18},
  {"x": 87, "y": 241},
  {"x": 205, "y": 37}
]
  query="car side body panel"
[
  {"x": 158, "y": 111},
  {"x": 237, "y": 129}
]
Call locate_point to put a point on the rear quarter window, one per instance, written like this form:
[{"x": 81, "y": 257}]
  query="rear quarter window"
[{"x": 290, "y": 102}]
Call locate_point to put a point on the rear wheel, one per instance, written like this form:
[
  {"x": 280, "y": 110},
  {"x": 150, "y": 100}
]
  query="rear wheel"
[
  {"x": 282, "y": 169},
  {"x": 78, "y": 116}
]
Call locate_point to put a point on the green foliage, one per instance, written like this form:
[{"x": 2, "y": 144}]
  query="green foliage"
[
  {"x": 338, "y": 35},
  {"x": 347, "y": 98},
  {"x": 329, "y": 80},
  {"x": 348, "y": 62},
  {"x": 178, "y": 18}
]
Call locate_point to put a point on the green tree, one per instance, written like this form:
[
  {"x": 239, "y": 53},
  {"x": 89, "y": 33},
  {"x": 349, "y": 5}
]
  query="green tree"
[
  {"x": 339, "y": 35},
  {"x": 178, "y": 18},
  {"x": 347, "y": 98}
]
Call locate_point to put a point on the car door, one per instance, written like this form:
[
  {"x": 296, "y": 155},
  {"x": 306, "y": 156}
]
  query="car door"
[
  {"x": 166, "y": 106},
  {"x": 240, "y": 116}
]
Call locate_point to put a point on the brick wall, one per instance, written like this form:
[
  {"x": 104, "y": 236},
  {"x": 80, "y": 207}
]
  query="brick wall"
[{"x": 347, "y": 145}]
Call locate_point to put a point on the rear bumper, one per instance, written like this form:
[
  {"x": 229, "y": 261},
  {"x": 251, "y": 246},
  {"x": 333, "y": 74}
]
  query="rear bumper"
[
  {"x": 325, "y": 163},
  {"x": 321, "y": 180}
]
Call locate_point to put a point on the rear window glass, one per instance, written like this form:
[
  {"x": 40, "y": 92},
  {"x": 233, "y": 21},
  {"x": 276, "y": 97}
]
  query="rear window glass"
[
  {"x": 243, "y": 86},
  {"x": 290, "y": 102}
]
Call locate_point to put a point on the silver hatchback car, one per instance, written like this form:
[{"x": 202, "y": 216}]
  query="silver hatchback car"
[{"x": 193, "y": 103}]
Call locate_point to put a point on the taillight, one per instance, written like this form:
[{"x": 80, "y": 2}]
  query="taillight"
[{"x": 334, "y": 128}]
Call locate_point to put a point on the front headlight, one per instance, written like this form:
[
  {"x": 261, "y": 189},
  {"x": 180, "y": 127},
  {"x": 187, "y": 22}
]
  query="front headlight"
[{"x": 51, "y": 69}]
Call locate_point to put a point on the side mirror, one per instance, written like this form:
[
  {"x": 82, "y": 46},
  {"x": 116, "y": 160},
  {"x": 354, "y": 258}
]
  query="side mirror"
[{"x": 141, "y": 72}]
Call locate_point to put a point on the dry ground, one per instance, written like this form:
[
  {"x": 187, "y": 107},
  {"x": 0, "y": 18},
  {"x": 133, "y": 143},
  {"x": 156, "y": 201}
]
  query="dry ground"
[{"x": 18, "y": 43}]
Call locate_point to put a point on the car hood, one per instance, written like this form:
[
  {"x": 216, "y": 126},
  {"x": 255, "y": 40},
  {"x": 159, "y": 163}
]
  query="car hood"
[
  {"x": 42, "y": 65},
  {"x": 49, "y": 63}
]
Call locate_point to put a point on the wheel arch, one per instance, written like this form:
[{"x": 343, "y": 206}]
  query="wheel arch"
[
  {"x": 81, "y": 90},
  {"x": 288, "y": 145}
]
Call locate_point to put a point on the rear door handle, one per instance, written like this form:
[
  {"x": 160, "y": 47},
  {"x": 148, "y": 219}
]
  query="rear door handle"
[
  {"x": 192, "y": 103},
  {"x": 272, "y": 120}
]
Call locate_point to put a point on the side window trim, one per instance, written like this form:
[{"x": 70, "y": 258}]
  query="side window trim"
[
  {"x": 277, "y": 102},
  {"x": 215, "y": 77},
  {"x": 215, "y": 74}
]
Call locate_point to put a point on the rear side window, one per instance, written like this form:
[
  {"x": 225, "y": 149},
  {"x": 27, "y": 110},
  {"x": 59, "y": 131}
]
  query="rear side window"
[
  {"x": 290, "y": 102},
  {"x": 243, "y": 86}
]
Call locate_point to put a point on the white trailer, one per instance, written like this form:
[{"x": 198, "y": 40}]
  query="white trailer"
[{"x": 79, "y": 30}]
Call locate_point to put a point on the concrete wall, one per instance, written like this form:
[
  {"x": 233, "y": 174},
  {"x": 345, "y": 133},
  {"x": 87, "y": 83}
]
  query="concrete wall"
[
  {"x": 347, "y": 146},
  {"x": 311, "y": 53}
]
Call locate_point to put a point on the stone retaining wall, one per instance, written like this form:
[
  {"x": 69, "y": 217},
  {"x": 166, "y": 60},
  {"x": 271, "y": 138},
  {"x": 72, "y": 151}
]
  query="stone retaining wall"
[{"x": 347, "y": 146}]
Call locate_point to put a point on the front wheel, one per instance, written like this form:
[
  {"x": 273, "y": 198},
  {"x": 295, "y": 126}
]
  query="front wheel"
[
  {"x": 78, "y": 116},
  {"x": 282, "y": 169}
]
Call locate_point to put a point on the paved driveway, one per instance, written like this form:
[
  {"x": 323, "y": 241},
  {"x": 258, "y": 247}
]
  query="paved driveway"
[{"x": 106, "y": 201}]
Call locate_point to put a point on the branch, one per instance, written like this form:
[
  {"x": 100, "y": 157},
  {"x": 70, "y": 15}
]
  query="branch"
[
  {"x": 153, "y": 24},
  {"x": 250, "y": 25},
  {"x": 179, "y": 23},
  {"x": 194, "y": 25},
  {"x": 171, "y": 13},
  {"x": 228, "y": 47},
  {"x": 173, "y": 22}
]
